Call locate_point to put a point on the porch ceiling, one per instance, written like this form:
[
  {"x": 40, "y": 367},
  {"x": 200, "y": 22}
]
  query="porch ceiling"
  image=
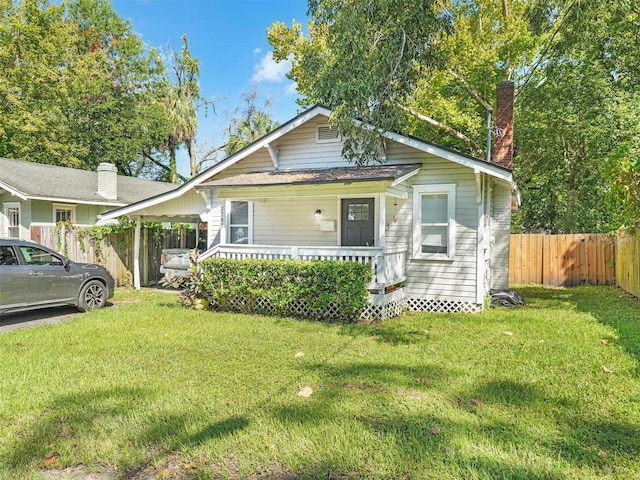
[{"x": 307, "y": 177}]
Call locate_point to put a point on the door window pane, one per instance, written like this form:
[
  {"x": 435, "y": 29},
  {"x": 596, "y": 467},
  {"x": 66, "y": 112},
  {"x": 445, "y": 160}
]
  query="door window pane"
[{"x": 358, "y": 212}]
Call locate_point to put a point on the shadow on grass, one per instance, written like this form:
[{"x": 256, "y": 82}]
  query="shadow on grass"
[
  {"x": 609, "y": 305},
  {"x": 78, "y": 418}
]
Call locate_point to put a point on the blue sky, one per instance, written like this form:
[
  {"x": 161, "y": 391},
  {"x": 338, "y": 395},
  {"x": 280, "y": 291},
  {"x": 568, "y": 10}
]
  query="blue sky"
[{"x": 229, "y": 39}]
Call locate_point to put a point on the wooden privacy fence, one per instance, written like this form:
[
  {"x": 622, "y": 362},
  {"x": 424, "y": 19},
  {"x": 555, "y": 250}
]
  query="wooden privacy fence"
[
  {"x": 115, "y": 250},
  {"x": 562, "y": 260},
  {"x": 628, "y": 263}
]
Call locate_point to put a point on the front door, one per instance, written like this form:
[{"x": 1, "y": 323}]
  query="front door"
[{"x": 357, "y": 220}]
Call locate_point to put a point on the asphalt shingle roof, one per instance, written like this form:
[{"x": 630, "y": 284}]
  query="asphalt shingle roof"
[
  {"x": 50, "y": 181},
  {"x": 327, "y": 175}
]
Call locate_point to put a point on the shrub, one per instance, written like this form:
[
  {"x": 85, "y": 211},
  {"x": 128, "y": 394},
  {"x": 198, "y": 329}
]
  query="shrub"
[{"x": 323, "y": 290}]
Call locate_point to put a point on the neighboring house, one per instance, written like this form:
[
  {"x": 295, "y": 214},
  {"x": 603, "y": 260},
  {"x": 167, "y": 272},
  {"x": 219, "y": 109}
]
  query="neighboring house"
[
  {"x": 37, "y": 194},
  {"x": 433, "y": 223}
]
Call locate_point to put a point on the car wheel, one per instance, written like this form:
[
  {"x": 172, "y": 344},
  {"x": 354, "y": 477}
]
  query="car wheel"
[{"x": 93, "y": 295}]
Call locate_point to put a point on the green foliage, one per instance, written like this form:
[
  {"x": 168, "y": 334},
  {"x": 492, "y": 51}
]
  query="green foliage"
[
  {"x": 574, "y": 112},
  {"x": 623, "y": 175},
  {"x": 78, "y": 87},
  {"x": 430, "y": 71},
  {"x": 361, "y": 58},
  {"x": 246, "y": 285}
]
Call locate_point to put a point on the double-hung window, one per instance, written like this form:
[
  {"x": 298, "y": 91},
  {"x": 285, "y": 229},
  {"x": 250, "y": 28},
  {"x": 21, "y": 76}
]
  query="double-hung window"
[
  {"x": 434, "y": 209},
  {"x": 12, "y": 219},
  {"x": 64, "y": 213},
  {"x": 239, "y": 221}
]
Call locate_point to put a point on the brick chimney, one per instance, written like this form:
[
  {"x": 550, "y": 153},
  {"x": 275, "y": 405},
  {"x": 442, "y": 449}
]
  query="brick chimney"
[
  {"x": 503, "y": 146},
  {"x": 108, "y": 181}
]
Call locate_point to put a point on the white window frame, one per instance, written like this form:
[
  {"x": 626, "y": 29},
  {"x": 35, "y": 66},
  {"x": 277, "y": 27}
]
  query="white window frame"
[
  {"x": 435, "y": 189},
  {"x": 64, "y": 206},
  {"x": 6, "y": 206},
  {"x": 227, "y": 220}
]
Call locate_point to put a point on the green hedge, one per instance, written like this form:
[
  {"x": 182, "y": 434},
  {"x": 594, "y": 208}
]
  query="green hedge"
[{"x": 279, "y": 286}]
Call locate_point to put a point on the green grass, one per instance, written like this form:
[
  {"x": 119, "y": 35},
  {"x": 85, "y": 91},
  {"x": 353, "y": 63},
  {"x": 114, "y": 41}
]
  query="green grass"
[{"x": 149, "y": 386}]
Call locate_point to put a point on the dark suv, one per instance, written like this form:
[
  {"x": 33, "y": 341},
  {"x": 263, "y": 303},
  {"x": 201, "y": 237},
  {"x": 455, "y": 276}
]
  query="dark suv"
[{"x": 33, "y": 276}]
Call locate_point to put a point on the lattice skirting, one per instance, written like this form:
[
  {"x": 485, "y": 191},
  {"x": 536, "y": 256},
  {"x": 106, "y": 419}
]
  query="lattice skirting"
[
  {"x": 439, "y": 305},
  {"x": 392, "y": 308},
  {"x": 418, "y": 304},
  {"x": 295, "y": 309},
  {"x": 382, "y": 312}
]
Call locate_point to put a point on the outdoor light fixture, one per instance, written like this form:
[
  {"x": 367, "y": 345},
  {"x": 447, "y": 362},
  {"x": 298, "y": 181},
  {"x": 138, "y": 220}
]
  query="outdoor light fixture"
[{"x": 317, "y": 214}]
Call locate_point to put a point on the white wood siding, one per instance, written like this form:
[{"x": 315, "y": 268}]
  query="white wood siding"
[
  {"x": 290, "y": 221},
  {"x": 190, "y": 204},
  {"x": 215, "y": 220},
  {"x": 438, "y": 279},
  {"x": 283, "y": 215},
  {"x": 500, "y": 231}
]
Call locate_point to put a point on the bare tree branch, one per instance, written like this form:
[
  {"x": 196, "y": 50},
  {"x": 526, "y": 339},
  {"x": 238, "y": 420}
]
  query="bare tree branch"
[
  {"x": 471, "y": 89},
  {"x": 441, "y": 126},
  {"x": 161, "y": 165}
]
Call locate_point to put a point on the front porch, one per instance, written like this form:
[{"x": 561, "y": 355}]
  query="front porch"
[{"x": 387, "y": 267}]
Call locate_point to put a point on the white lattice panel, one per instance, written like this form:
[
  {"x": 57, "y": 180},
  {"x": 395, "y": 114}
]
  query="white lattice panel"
[
  {"x": 438, "y": 305},
  {"x": 391, "y": 309}
]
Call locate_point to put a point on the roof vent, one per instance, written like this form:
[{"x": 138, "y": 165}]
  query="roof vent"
[{"x": 327, "y": 133}]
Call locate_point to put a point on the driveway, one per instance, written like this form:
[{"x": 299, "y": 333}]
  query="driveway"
[{"x": 36, "y": 318}]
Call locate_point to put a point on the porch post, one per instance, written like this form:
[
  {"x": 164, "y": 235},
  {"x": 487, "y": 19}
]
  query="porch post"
[
  {"x": 136, "y": 255},
  {"x": 382, "y": 228},
  {"x": 382, "y": 219}
]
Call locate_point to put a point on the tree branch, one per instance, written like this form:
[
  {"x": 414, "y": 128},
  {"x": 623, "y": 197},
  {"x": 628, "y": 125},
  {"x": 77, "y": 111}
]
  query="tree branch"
[
  {"x": 471, "y": 89},
  {"x": 161, "y": 165},
  {"x": 441, "y": 126}
]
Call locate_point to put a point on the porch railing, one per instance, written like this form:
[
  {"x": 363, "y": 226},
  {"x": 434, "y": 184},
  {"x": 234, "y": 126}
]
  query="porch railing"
[{"x": 387, "y": 264}]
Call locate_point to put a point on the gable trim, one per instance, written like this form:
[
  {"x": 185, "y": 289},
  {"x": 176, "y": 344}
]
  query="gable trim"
[{"x": 13, "y": 191}]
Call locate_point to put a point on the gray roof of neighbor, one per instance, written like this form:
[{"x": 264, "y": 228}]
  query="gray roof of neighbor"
[
  {"x": 304, "y": 177},
  {"x": 38, "y": 180}
]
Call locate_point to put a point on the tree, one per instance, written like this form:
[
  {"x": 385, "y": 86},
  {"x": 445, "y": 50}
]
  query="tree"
[
  {"x": 78, "y": 87},
  {"x": 182, "y": 101},
  {"x": 252, "y": 124},
  {"x": 431, "y": 71},
  {"x": 362, "y": 57},
  {"x": 576, "y": 110},
  {"x": 427, "y": 69}
]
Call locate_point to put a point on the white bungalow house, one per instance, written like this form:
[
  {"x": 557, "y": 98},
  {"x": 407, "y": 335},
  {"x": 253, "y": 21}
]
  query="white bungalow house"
[{"x": 433, "y": 223}]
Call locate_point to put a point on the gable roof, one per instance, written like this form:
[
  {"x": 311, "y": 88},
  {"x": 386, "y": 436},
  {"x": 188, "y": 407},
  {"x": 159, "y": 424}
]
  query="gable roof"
[
  {"x": 38, "y": 181},
  {"x": 317, "y": 110}
]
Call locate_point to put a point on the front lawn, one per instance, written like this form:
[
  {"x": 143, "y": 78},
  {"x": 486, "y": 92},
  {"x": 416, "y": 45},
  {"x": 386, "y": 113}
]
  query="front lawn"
[{"x": 150, "y": 389}]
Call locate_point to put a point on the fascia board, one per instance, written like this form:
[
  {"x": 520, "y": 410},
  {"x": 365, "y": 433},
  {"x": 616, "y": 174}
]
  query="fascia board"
[
  {"x": 76, "y": 200},
  {"x": 448, "y": 155},
  {"x": 13, "y": 191},
  {"x": 213, "y": 171}
]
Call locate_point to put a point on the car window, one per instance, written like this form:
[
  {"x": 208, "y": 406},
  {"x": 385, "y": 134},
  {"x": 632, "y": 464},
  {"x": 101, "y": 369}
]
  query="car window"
[
  {"x": 8, "y": 255},
  {"x": 38, "y": 257}
]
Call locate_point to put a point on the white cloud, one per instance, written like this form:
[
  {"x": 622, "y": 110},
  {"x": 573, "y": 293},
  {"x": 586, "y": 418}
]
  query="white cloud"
[
  {"x": 270, "y": 70},
  {"x": 292, "y": 89},
  {"x": 257, "y": 51}
]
